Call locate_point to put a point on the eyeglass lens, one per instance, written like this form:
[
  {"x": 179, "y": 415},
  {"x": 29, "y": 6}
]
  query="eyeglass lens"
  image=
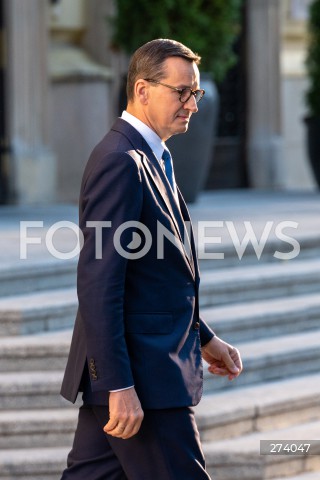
[{"x": 187, "y": 92}]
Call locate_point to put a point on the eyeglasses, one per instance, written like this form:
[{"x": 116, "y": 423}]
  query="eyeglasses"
[{"x": 184, "y": 93}]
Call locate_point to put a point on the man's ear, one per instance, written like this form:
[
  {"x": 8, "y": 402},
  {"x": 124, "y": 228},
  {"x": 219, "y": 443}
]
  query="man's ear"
[{"x": 142, "y": 91}]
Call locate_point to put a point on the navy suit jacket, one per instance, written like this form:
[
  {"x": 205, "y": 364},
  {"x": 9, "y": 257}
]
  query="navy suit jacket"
[{"x": 138, "y": 320}]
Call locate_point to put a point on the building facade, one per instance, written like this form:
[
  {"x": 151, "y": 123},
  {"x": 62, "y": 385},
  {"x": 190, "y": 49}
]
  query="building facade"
[{"x": 59, "y": 88}]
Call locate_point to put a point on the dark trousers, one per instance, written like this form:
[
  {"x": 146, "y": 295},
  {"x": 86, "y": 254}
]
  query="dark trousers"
[{"x": 167, "y": 447}]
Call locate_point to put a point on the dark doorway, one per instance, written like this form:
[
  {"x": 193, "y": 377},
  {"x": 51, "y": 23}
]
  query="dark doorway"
[
  {"x": 228, "y": 169},
  {"x": 4, "y": 147}
]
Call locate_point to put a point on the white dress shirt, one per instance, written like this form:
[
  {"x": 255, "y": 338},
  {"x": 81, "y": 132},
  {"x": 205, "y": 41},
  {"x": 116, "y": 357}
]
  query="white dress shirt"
[{"x": 153, "y": 140}]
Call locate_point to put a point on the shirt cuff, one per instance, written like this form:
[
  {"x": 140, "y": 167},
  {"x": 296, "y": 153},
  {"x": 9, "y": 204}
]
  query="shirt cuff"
[{"x": 121, "y": 389}]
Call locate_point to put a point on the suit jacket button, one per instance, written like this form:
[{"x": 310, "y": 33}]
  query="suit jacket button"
[{"x": 196, "y": 326}]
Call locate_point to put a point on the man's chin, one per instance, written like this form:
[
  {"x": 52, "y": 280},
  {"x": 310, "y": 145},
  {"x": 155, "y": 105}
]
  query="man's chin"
[
  {"x": 183, "y": 128},
  {"x": 178, "y": 132}
]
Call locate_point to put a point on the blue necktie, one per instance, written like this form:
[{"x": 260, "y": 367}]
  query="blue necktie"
[{"x": 168, "y": 166}]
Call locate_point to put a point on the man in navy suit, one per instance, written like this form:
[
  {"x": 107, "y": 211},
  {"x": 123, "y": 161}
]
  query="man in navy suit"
[{"x": 138, "y": 340}]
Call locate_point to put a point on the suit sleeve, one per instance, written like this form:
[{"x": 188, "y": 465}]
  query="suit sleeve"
[
  {"x": 112, "y": 193},
  {"x": 206, "y": 333}
]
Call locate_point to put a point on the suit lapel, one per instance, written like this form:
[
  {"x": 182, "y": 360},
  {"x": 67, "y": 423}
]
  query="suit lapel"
[
  {"x": 186, "y": 217},
  {"x": 159, "y": 179}
]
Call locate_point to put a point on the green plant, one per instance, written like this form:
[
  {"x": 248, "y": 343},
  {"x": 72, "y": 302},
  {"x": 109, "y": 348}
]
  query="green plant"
[
  {"x": 209, "y": 27},
  {"x": 313, "y": 60}
]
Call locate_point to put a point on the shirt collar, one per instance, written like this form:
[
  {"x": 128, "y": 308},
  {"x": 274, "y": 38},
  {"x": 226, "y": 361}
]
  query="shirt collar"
[{"x": 153, "y": 140}]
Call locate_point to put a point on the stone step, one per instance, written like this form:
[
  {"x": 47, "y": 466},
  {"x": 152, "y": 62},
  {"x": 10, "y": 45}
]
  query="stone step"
[
  {"x": 256, "y": 208},
  {"x": 29, "y": 276},
  {"x": 33, "y": 463},
  {"x": 264, "y": 360},
  {"x": 244, "y": 282},
  {"x": 31, "y": 390},
  {"x": 27, "y": 353},
  {"x": 42, "y": 358},
  {"x": 262, "y": 281},
  {"x": 38, "y": 312},
  {"x": 303, "y": 476},
  {"x": 219, "y": 415},
  {"x": 240, "y": 457},
  {"x": 23, "y": 463},
  {"x": 226, "y": 460},
  {"x": 271, "y": 359},
  {"x": 54, "y": 309},
  {"x": 39, "y": 428},
  {"x": 309, "y": 248},
  {"x": 239, "y": 322},
  {"x": 259, "y": 408},
  {"x": 234, "y": 323}
]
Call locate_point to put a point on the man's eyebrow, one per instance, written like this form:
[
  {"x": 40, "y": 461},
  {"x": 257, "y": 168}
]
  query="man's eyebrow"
[{"x": 190, "y": 86}]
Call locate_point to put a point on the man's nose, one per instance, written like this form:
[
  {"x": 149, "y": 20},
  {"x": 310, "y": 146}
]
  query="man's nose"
[{"x": 191, "y": 104}]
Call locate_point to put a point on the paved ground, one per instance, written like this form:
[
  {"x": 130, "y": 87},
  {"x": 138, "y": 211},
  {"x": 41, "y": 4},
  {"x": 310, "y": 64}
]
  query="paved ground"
[{"x": 263, "y": 209}]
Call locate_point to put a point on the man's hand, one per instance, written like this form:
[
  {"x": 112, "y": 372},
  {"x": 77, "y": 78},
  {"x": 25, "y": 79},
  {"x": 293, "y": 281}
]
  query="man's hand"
[
  {"x": 223, "y": 359},
  {"x": 125, "y": 414}
]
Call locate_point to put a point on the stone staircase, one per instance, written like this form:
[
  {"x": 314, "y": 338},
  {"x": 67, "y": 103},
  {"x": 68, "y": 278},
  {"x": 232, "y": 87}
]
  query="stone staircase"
[{"x": 269, "y": 309}]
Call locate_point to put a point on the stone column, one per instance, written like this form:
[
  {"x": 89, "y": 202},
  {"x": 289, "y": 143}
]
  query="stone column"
[
  {"x": 34, "y": 168},
  {"x": 97, "y": 42},
  {"x": 265, "y": 143},
  {"x": 98, "y": 30}
]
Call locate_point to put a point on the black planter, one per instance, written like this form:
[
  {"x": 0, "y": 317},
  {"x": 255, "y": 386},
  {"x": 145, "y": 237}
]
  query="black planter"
[
  {"x": 313, "y": 145},
  {"x": 192, "y": 152}
]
